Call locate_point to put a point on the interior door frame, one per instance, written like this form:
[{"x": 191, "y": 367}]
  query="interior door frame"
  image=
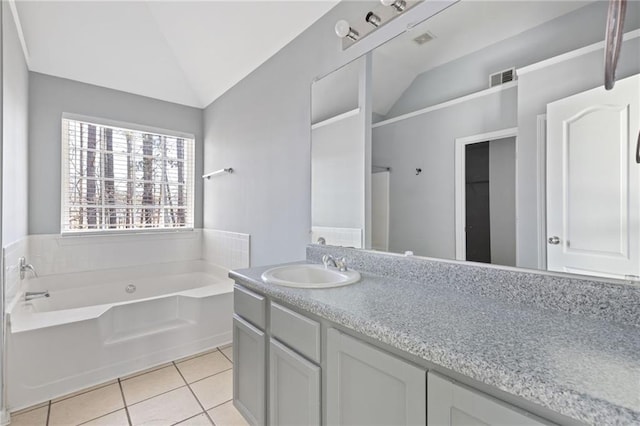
[
  {"x": 541, "y": 187},
  {"x": 460, "y": 176}
]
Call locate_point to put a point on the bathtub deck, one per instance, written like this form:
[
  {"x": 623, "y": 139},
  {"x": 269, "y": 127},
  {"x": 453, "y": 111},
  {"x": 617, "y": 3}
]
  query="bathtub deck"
[{"x": 191, "y": 391}]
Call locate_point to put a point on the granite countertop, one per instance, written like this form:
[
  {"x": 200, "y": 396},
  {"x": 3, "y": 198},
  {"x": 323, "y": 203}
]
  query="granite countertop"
[{"x": 581, "y": 367}]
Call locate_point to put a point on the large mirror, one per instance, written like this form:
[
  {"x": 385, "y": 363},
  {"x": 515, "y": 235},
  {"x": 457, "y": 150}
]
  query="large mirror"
[{"x": 484, "y": 134}]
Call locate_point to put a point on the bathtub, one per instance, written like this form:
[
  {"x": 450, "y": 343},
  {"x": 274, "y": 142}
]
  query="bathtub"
[{"x": 97, "y": 326}]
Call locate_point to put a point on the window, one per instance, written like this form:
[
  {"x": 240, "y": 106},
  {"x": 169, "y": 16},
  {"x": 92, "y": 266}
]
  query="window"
[{"x": 124, "y": 177}]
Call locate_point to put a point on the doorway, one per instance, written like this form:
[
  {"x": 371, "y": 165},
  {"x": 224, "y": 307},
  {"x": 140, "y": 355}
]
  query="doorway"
[
  {"x": 486, "y": 198},
  {"x": 477, "y": 203}
]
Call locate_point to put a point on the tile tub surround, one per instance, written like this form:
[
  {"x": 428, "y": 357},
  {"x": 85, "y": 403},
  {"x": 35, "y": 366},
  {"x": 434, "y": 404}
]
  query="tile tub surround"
[
  {"x": 12, "y": 254},
  {"x": 580, "y": 366},
  {"x": 230, "y": 250},
  {"x": 54, "y": 254},
  {"x": 600, "y": 299}
]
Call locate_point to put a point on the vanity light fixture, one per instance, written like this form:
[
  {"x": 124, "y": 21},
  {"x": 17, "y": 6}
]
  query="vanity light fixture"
[
  {"x": 343, "y": 29},
  {"x": 373, "y": 19},
  {"x": 398, "y": 5}
]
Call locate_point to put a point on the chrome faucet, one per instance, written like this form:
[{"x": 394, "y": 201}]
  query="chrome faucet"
[
  {"x": 329, "y": 260},
  {"x": 24, "y": 267},
  {"x": 30, "y": 295}
]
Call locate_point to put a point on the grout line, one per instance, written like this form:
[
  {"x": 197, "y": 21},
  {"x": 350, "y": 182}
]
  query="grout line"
[
  {"x": 124, "y": 401},
  {"x": 29, "y": 409},
  {"x": 210, "y": 419},
  {"x": 101, "y": 416},
  {"x": 145, "y": 371},
  {"x": 222, "y": 403},
  {"x": 190, "y": 357},
  {"x": 225, "y": 355},
  {"x": 210, "y": 376},
  {"x": 188, "y": 418},
  {"x": 83, "y": 391},
  {"x": 48, "y": 413},
  {"x": 196, "y": 397},
  {"x": 180, "y": 373},
  {"x": 151, "y": 397}
]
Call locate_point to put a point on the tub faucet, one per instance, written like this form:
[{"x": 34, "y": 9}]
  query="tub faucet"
[
  {"x": 30, "y": 295},
  {"x": 24, "y": 267},
  {"x": 329, "y": 260}
]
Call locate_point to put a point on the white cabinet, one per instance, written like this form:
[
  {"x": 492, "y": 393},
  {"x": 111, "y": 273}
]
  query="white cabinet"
[
  {"x": 294, "y": 388},
  {"x": 249, "y": 393},
  {"x": 450, "y": 404},
  {"x": 366, "y": 386}
]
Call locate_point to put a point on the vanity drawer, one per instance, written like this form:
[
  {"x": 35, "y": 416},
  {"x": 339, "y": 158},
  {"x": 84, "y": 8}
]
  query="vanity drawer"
[
  {"x": 297, "y": 331},
  {"x": 249, "y": 305}
]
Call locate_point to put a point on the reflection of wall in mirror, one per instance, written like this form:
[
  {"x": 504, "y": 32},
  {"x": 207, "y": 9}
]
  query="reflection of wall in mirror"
[
  {"x": 337, "y": 177},
  {"x": 335, "y": 93},
  {"x": 422, "y": 207}
]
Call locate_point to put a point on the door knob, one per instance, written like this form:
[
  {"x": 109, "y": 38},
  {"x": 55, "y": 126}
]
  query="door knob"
[{"x": 554, "y": 240}]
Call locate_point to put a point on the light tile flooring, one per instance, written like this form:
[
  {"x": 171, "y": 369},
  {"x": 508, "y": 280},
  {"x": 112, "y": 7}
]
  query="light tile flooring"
[{"x": 194, "y": 391}]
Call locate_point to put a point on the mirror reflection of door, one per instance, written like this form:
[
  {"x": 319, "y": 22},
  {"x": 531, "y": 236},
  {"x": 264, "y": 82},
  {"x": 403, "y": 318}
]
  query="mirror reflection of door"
[
  {"x": 489, "y": 202},
  {"x": 593, "y": 190}
]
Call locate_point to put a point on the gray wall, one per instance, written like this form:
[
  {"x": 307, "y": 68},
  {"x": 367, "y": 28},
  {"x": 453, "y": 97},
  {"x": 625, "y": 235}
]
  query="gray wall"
[
  {"x": 261, "y": 127},
  {"x": 502, "y": 201},
  {"x": 337, "y": 174},
  {"x": 471, "y": 73},
  {"x": 50, "y": 96},
  {"x": 15, "y": 88},
  {"x": 422, "y": 208}
]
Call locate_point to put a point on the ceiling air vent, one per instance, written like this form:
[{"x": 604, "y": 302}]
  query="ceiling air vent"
[
  {"x": 423, "y": 38},
  {"x": 502, "y": 77}
]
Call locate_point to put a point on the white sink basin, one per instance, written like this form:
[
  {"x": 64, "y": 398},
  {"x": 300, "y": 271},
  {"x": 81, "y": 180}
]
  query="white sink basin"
[{"x": 309, "y": 276}]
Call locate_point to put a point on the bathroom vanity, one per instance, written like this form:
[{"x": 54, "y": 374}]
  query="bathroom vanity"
[{"x": 418, "y": 341}]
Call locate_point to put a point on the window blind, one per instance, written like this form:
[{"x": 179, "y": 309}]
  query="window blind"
[{"x": 116, "y": 179}]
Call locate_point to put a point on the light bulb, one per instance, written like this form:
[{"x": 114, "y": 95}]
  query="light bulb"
[
  {"x": 398, "y": 5},
  {"x": 342, "y": 28},
  {"x": 373, "y": 19}
]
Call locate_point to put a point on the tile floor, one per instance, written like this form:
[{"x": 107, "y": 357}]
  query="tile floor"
[{"x": 194, "y": 391}]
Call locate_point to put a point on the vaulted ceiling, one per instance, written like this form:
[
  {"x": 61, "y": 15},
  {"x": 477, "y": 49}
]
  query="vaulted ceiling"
[{"x": 188, "y": 52}]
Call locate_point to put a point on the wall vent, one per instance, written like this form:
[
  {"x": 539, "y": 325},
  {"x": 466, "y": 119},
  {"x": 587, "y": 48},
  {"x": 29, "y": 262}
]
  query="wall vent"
[{"x": 502, "y": 77}]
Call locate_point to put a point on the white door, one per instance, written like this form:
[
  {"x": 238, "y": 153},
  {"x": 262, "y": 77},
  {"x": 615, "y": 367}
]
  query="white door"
[
  {"x": 593, "y": 182},
  {"x": 380, "y": 211}
]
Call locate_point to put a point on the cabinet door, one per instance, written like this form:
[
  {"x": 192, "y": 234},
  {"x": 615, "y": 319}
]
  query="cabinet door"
[
  {"x": 366, "y": 386},
  {"x": 453, "y": 405},
  {"x": 249, "y": 371},
  {"x": 294, "y": 388}
]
